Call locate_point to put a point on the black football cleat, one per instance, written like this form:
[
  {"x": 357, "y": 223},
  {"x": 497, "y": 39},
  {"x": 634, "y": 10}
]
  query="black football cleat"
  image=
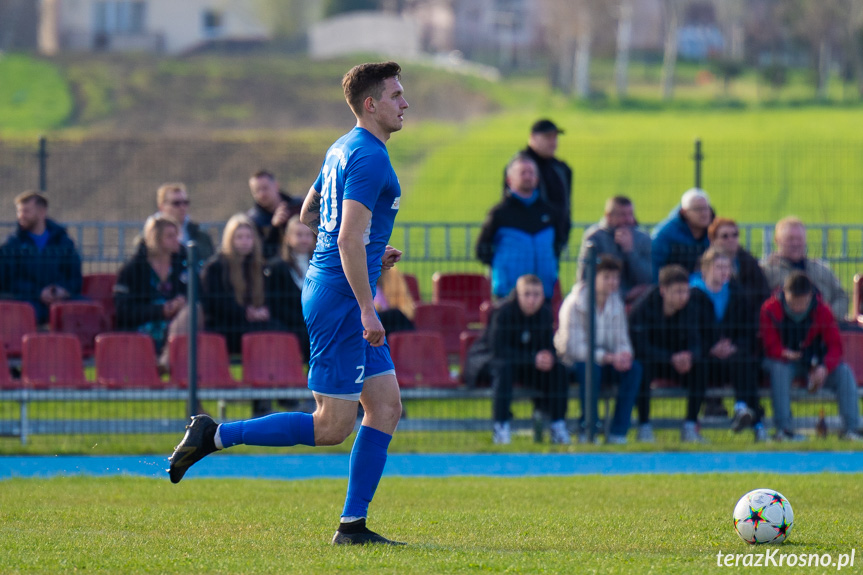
[
  {"x": 196, "y": 444},
  {"x": 356, "y": 533}
]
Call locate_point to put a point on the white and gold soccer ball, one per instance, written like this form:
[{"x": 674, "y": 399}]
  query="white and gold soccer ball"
[{"x": 763, "y": 516}]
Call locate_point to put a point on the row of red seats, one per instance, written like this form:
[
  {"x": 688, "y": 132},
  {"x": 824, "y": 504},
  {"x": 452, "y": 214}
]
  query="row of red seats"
[
  {"x": 459, "y": 299},
  {"x": 52, "y": 361},
  {"x": 128, "y": 361}
]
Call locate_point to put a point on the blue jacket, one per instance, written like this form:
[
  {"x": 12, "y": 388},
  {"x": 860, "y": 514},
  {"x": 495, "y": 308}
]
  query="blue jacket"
[
  {"x": 518, "y": 239},
  {"x": 673, "y": 243},
  {"x": 26, "y": 270}
]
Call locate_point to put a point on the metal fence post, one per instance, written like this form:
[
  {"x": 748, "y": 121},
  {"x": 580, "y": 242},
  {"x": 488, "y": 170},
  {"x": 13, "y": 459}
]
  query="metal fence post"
[
  {"x": 43, "y": 163},
  {"x": 192, "y": 302},
  {"x": 698, "y": 157},
  {"x": 588, "y": 383}
]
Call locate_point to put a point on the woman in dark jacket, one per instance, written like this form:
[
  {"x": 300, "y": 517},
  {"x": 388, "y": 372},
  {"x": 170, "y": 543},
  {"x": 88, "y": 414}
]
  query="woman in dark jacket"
[
  {"x": 150, "y": 291},
  {"x": 283, "y": 280},
  {"x": 232, "y": 285}
]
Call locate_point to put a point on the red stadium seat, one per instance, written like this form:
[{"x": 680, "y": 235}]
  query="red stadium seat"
[
  {"x": 466, "y": 340},
  {"x": 272, "y": 359},
  {"x": 19, "y": 318},
  {"x": 84, "y": 319},
  {"x": 7, "y": 382},
  {"x": 214, "y": 367},
  {"x": 413, "y": 286},
  {"x": 858, "y": 298},
  {"x": 485, "y": 309},
  {"x": 470, "y": 289},
  {"x": 447, "y": 318},
  {"x": 52, "y": 361},
  {"x": 852, "y": 353},
  {"x": 420, "y": 360},
  {"x": 556, "y": 302},
  {"x": 127, "y": 361},
  {"x": 100, "y": 288}
]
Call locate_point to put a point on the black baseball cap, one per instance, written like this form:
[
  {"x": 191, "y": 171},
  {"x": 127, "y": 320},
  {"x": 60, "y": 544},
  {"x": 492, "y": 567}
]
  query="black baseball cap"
[{"x": 544, "y": 125}]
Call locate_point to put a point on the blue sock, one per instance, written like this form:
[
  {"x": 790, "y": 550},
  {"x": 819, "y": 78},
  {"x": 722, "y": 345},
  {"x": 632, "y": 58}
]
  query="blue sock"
[
  {"x": 276, "y": 430},
  {"x": 368, "y": 457}
]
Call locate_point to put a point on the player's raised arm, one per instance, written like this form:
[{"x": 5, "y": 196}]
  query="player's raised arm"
[
  {"x": 310, "y": 214},
  {"x": 352, "y": 249}
]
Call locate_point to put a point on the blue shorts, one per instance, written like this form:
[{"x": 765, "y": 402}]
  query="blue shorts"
[{"x": 340, "y": 358}]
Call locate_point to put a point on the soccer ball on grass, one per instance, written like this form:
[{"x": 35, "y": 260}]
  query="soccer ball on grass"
[{"x": 763, "y": 516}]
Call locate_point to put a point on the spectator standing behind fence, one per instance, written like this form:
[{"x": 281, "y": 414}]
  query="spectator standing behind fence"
[
  {"x": 555, "y": 176},
  {"x": 150, "y": 293},
  {"x": 518, "y": 235},
  {"x": 665, "y": 334},
  {"x": 272, "y": 210},
  {"x": 518, "y": 347},
  {"x": 617, "y": 234},
  {"x": 790, "y": 255},
  {"x": 393, "y": 301},
  {"x": 801, "y": 340},
  {"x": 39, "y": 260},
  {"x": 172, "y": 200},
  {"x": 681, "y": 238},
  {"x": 613, "y": 361},
  {"x": 283, "y": 281},
  {"x": 729, "y": 334},
  {"x": 724, "y": 237}
]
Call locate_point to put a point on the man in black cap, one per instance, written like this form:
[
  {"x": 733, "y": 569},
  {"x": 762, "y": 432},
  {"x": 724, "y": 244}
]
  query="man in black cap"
[{"x": 555, "y": 176}]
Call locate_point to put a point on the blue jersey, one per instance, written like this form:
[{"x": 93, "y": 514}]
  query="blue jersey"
[{"x": 357, "y": 167}]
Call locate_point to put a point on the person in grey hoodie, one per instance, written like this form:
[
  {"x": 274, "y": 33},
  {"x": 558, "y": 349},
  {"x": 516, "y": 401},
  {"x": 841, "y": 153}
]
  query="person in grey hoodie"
[{"x": 613, "y": 360}]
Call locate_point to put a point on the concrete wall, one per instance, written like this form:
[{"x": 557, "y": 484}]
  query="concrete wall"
[{"x": 384, "y": 34}]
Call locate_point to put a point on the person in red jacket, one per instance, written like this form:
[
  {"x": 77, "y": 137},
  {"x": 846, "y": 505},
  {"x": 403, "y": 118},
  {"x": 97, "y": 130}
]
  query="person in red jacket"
[{"x": 801, "y": 339}]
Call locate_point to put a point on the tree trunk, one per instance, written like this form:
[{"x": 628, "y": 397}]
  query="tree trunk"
[
  {"x": 583, "y": 41},
  {"x": 823, "y": 69},
  {"x": 624, "y": 41},
  {"x": 669, "y": 59},
  {"x": 566, "y": 65},
  {"x": 582, "y": 67}
]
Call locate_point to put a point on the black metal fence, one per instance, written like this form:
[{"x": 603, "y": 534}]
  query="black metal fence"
[{"x": 102, "y": 190}]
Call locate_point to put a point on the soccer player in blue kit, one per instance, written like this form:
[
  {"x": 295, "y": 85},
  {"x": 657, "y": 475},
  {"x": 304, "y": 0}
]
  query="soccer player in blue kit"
[{"x": 351, "y": 207}]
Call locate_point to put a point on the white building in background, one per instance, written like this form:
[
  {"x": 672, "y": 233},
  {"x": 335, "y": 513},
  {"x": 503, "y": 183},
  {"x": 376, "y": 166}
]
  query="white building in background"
[
  {"x": 389, "y": 35},
  {"x": 168, "y": 26}
]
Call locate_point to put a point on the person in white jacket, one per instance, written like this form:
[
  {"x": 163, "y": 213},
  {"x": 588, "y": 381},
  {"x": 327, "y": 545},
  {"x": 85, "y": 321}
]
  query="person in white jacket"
[{"x": 613, "y": 361}]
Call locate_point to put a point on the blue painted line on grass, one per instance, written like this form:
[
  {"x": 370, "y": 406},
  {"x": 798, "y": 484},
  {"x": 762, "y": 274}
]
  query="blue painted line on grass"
[{"x": 440, "y": 465}]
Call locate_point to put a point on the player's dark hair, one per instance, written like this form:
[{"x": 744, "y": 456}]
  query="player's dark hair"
[
  {"x": 608, "y": 263},
  {"x": 367, "y": 80},
  {"x": 31, "y": 196},
  {"x": 673, "y": 274},
  {"x": 798, "y": 284}
]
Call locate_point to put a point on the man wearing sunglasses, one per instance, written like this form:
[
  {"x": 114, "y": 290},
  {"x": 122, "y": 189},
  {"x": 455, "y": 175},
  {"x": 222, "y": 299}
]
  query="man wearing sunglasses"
[{"x": 173, "y": 202}]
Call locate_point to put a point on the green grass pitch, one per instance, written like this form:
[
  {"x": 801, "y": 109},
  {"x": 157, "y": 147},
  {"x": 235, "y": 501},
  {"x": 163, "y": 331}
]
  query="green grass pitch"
[{"x": 590, "y": 524}]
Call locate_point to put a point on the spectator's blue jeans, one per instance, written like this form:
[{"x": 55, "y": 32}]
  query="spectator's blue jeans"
[
  {"x": 628, "y": 383},
  {"x": 841, "y": 381}
]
